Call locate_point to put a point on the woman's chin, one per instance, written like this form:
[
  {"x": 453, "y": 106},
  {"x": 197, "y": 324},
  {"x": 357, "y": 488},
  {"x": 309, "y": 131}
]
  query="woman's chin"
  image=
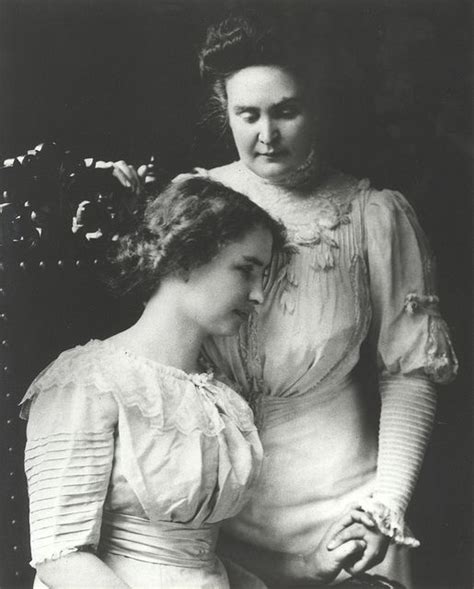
[
  {"x": 273, "y": 171},
  {"x": 228, "y": 329}
]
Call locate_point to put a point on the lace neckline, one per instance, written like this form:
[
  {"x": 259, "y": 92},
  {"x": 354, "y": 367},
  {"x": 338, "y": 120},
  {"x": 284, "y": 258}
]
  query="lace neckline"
[
  {"x": 311, "y": 172},
  {"x": 198, "y": 378},
  {"x": 284, "y": 203}
]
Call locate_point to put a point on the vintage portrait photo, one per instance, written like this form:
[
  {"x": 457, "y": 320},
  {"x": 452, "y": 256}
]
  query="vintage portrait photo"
[{"x": 236, "y": 294}]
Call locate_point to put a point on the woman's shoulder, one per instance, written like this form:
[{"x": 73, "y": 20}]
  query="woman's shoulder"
[
  {"x": 75, "y": 387},
  {"x": 225, "y": 170},
  {"x": 79, "y": 371},
  {"x": 88, "y": 363},
  {"x": 384, "y": 198},
  {"x": 231, "y": 175},
  {"x": 389, "y": 208}
]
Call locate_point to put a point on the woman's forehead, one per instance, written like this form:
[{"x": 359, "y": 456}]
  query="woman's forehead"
[
  {"x": 267, "y": 83},
  {"x": 256, "y": 244}
]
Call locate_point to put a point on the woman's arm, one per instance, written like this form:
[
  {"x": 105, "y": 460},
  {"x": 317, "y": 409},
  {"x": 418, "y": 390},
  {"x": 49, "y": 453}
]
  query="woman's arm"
[
  {"x": 68, "y": 462},
  {"x": 78, "y": 570},
  {"x": 413, "y": 352}
]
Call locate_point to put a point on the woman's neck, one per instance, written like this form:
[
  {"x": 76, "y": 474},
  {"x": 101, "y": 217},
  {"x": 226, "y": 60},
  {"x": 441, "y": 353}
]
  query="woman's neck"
[{"x": 163, "y": 334}]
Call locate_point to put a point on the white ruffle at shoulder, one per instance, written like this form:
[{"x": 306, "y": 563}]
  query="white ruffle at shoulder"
[{"x": 113, "y": 437}]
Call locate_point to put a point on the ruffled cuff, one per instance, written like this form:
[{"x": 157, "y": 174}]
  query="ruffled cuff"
[
  {"x": 390, "y": 521},
  {"x": 47, "y": 556}
]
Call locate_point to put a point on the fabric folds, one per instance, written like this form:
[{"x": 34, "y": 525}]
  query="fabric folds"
[
  {"x": 68, "y": 476},
  {"x": 111, "y": 431}
]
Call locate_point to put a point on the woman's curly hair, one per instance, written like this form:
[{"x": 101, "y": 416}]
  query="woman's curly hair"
[{"x": 182, "y": 228}]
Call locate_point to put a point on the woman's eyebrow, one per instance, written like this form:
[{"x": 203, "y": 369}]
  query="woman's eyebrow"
[
  {"x": 242, "y": 108},
  {"x": 254, "y": 260},
  {"x": 287, "y": 100},
  {"x": 239, "y": 108}
]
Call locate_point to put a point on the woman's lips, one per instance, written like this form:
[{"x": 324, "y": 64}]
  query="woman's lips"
[
  {"x": 272, "y": 154},
  {"x": 242, "y": 314}
]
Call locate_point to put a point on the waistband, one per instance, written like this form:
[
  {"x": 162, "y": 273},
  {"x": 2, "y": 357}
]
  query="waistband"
[
  {"x": 165, "y": 543},
  {"x": 276, "y": 410}
]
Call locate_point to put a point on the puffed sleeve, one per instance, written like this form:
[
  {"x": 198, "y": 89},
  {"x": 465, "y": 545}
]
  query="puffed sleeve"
[
  {"x": 414, "y": 351},
  {"x": 68, "y": 458},
  {"x": 412, "y": 338}
]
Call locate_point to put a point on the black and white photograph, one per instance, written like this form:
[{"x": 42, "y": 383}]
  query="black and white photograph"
[{"x": 236, "y": 294}]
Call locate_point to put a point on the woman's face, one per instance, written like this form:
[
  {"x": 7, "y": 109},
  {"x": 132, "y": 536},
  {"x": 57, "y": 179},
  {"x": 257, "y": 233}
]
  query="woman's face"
[
  {"x": 221, "y": 294},
  {"x": 270, "y": 120}
]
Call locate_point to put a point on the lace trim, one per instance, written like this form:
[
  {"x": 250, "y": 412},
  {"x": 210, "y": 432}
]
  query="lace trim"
[
  {"x": 63, "y": 552},
  {"x": 168, "y": 397},
  {"x": 253, "y": 367},
  {"x": 441, "y": 362},
  {"x": 309, "y": 171},
  {"x": 389, "y": 521}
]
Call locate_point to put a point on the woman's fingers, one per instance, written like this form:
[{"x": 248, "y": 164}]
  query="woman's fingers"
[
  {"x": 146, "y": 173},
  {"x": 126, "y": 175},
  {"x": 351, "y": 516},
  {"x": 353, "y": 532},
  {"x": 142, "y": 170},
  {"x": 374, "y": 554},
  {"x": 348, "y": 519},
  {"x": 122, "y": 178},
  {"x": 349, "y": 551}
]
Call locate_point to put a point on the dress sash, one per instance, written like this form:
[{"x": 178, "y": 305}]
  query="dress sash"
[{"x": 167, "y": 544}]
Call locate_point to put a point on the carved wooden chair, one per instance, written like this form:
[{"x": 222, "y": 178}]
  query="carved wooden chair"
[{"x": 58, "y": 214}]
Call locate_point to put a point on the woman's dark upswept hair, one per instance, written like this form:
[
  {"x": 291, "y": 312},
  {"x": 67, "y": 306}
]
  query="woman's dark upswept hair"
[
  {"x": 183, "y": 228},
  {"x": 242, "y": 41}
]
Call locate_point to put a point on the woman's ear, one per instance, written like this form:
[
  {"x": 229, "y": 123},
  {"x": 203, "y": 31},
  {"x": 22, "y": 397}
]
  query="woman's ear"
[{"x": 183, "y": 274}]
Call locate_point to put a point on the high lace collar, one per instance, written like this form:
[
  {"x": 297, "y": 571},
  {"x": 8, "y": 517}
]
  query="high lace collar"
[
  {"x": 312, "y": 171},
  {"x": 167, "y": 397}
]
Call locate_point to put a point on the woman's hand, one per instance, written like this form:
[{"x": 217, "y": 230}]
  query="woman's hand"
[
  {"x": 362, "y": 528},
  {"x": 342, "y": 546},
  {"x": 77, "y": 571},
  {"x": 128, "y": 176}
]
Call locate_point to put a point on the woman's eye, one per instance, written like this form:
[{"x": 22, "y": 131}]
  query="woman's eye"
[
  {"x": 289, "y": 113},
  {"x": 245, "y": 270},
  {"x": 249, "y": 117}
]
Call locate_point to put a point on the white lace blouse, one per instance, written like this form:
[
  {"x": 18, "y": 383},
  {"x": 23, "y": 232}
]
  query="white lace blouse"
[{"x": 110, "y": 432}]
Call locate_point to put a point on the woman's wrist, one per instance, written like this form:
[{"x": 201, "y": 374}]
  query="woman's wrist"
[{"x": 390, "y": 520}]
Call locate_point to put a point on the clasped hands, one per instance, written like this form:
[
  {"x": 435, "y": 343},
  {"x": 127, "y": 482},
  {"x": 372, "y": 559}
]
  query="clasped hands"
[{"x": 353, "y": 543}]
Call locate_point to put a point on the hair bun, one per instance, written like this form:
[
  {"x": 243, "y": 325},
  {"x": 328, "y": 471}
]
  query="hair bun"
[{"x": 237, "y": 42}]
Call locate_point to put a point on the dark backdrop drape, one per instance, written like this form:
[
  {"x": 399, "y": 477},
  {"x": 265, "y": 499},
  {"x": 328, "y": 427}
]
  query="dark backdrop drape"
[{"x": 118, "y": 79}]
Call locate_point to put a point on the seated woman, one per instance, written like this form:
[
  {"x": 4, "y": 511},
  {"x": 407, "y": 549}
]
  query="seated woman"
[{"x": 135, "y": 455}]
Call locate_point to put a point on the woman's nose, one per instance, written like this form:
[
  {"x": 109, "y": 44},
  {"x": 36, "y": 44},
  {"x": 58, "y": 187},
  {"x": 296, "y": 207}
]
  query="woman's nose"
[
  {"x": 256, "y": 294},
  {"x": 268, "y": 131}
]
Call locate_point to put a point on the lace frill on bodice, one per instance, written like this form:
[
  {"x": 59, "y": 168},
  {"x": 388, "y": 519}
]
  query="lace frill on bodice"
[
  {"x": 361, "y": 271},
  {"x": 112, "y": 432},
  {"x": 168, "y": 397}
]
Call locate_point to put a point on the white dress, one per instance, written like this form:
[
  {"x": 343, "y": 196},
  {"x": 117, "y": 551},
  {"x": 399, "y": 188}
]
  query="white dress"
[
  {"x": 137, "y": 462},
  {"x": 361, "y": 271}
]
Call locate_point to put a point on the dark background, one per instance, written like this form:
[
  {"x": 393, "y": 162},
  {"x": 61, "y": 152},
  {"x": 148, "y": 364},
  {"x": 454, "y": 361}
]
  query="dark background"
[{"x": 117, "y": 79}]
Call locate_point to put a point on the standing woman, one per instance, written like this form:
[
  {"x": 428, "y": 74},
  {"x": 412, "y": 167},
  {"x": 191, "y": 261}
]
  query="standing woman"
[{"x": 362, "y": 271}]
